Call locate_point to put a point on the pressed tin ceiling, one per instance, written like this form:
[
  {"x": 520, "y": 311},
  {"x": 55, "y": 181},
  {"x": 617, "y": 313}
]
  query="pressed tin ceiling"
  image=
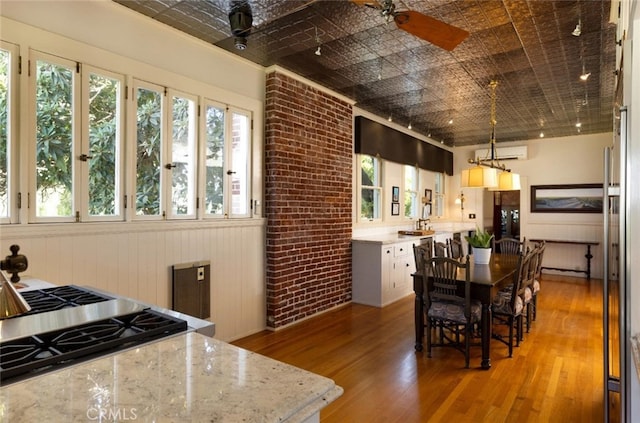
[{"x": 526, "y": 45}]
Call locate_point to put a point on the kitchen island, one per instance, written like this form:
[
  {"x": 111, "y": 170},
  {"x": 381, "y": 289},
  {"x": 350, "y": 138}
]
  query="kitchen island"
[{"x": 188, "y": 377}]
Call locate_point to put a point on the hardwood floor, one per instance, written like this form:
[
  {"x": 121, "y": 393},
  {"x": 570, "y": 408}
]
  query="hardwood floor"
[{"x": 554, "y": 376}]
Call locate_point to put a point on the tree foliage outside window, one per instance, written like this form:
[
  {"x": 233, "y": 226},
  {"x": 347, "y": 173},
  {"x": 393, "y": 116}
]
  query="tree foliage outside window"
[
  {"x": 410, "y": 192},
  {"x": 214, "y": 160},
  {"x": 148, "y": 157},
  {"x": 78, "y": 130},
  {"x": 370, "y": 189},
  {"x": 183, "y": 156},
  {"x": 103, "y": 146},
  {"x": 54, "y": 139}
]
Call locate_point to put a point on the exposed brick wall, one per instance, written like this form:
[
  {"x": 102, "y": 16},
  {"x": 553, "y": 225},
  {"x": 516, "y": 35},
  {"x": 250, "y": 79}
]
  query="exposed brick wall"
[{"x": 308, "y": 159}]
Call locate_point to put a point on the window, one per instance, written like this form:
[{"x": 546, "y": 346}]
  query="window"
[
  {"x": 227, "y": 161},
  {"x": 370, "y": 187},
  {"x": 166, "y": 161},
  {"x": 179, "y": 157},
  {"x": 56, "y": 137},
  {"x": 8, "y": 95},
  {"x": 183, "y": 164},
  {"x": 78, "y": 121},
  {"x": 439, "y": 195},
  {"x": 411, "y": 192},
  {"x": 149, "y": 134},
  {"x": 103, "y": 96}
]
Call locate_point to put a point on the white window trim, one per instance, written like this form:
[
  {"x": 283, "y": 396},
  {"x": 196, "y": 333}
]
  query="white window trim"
[
  {"x": 84, "y": 168},
  {"x": 12, "y": 131},
  {"x": 76, "y": 115},
  {"x": 380, "y": 189}
]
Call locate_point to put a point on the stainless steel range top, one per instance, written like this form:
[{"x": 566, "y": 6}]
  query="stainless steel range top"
[{"x": 70, "y": 324}]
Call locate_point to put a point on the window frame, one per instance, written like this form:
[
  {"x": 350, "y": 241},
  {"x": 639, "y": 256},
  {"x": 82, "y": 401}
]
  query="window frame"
[
  {"x": 227, "y": 158},
  {"x": 140, "y": 84},
  {"x": 120, "y": 147},
  {"x": 376, "y": 188},
  {"x": 13, "y": 90},
  {"x": 34, "y": 57},
  {"x": 412, "y": 191},
  {"x": 167, "y": 159}
]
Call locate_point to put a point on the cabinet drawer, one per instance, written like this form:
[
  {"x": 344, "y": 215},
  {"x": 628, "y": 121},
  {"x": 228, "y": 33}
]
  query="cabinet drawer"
[{"x": 400, "y": 250}]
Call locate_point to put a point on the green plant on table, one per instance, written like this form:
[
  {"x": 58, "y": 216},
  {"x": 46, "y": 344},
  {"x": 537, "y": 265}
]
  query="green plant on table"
[{"x": 480, "y": 239}]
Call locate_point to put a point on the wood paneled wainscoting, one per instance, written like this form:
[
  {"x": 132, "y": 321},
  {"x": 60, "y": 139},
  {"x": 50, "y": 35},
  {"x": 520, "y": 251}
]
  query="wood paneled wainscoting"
[{"x": 554, "y": 376}]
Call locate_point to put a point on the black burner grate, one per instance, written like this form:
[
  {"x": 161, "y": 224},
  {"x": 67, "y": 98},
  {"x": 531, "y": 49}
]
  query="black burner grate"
[
  {"x": 56, "y": 298},
  {"x": 38, "y": 353}
]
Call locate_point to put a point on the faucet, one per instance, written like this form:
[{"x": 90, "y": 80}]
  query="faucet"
[{"x": 422, "y": 223}]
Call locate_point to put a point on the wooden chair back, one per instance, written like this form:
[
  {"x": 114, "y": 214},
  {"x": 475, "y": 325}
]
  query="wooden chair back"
[
  {"x": 454, "y": 249},
  {"x": 443, "y": 281},
  {"x": 511, "y": 246},
  {"x": 439, "y": 249}
]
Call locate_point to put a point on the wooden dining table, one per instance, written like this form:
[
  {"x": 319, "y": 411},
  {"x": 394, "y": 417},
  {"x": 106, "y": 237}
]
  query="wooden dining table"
[{"x": 486, "y": 281}]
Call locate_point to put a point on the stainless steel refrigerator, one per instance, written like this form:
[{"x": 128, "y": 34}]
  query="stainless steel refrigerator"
[{"x": 616, "y": 275}]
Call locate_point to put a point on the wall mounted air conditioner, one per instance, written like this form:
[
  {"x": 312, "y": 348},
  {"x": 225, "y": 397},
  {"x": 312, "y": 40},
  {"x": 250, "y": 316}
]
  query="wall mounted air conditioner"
[{"x": 504, "y": 153}]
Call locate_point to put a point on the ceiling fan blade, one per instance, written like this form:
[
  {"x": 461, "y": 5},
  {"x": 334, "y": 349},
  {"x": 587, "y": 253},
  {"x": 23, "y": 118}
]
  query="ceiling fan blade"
[{"x": 429, "y": 29}]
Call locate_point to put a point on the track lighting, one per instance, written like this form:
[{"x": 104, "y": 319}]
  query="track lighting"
[
  {"x": 318, "y": 52},
  {"x": 578, "y": 29},
  {"x": 585, "y": 76}
]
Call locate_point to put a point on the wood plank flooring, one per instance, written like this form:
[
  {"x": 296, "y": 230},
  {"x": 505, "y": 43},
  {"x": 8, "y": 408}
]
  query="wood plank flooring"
[{"x": 556, "y": 375}]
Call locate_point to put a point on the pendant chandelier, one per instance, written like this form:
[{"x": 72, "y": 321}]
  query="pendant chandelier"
[{"x": 489, "y": 172}]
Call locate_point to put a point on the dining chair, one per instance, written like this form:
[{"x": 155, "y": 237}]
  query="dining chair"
[
  {"x": 454, "y": 249},
  {"x": 421, "y": 252},
  {"x": 508, "y": 306},
  {"x": 508, "y": 245},
  {"x": 439, "y": 249},
  {"x": 536, "y": 280},
  {"x": 526, "y": 287},
  {"x": 448, "y": 314}
]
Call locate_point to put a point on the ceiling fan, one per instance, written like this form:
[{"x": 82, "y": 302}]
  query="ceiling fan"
[{"x": 422, "y": 26}]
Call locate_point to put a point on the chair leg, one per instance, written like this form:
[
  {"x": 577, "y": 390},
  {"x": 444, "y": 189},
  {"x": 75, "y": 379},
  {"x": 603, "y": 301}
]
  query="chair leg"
[
  {"x": 429, "y": 330},
  {"x": 467, "y": 343},
  {"x": 511, "y": 322},
  {"x": 519, "y": 334},
  {"x": 535, "y": 307},
  {"x": 529, "y": 314}
]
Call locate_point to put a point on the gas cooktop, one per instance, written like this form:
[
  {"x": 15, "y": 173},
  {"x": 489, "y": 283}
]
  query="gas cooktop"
[{"x": 70, "y": 324}]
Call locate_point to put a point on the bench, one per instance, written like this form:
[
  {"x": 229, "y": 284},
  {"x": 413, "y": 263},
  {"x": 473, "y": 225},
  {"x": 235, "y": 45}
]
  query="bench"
[{"x": 588, "y": 256}]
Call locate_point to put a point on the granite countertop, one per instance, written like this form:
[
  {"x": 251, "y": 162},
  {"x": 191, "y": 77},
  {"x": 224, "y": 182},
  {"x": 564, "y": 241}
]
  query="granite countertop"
[
  {"x": 394, "y": 237},
  {"x": 189, "y": 377}
]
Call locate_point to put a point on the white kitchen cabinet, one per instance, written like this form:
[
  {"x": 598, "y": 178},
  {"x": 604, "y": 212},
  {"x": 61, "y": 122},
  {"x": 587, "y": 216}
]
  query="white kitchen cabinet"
[{"x": 381, "y": 272}]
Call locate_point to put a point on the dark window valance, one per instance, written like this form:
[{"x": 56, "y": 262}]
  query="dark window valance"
[{"x": 375, "y": 139}]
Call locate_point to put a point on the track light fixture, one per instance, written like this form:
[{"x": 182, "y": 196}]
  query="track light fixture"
[
  {"x": 577, "y": 31},
  {"x": 318, "y": 51}
]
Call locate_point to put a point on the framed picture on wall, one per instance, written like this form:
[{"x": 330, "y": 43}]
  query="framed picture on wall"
[
  {"x": 395, "y": 209},
  {"x": 576, "y": 198},
  {"x": 427, "y": 195},
  {"x": 395, "y": 194}
]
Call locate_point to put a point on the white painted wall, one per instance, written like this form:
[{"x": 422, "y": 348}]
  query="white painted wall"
[{"x": 568, "y": 160}]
